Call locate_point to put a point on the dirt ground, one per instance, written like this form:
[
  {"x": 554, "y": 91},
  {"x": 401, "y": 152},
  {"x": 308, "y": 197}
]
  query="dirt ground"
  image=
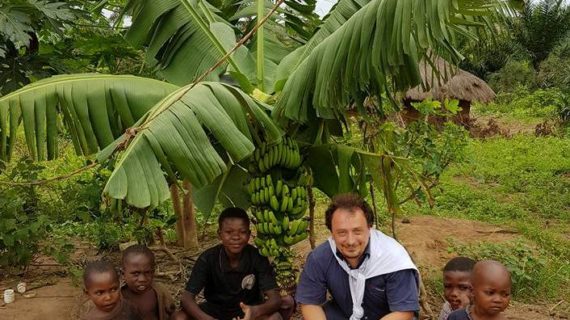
[{"x": 426, "y": 238}]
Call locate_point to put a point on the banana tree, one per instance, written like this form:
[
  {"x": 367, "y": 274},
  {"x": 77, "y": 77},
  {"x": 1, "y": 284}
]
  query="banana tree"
[{"x": 208, "y": 132}]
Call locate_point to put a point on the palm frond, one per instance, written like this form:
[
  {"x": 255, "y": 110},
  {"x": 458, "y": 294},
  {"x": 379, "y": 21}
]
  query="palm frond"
[
  {"x": 96, "y": 109},
  {"x": 192, "y": 133},
  {"x": 375, "y": 52}
]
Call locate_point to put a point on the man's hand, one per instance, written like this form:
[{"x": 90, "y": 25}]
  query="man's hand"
[{"x": 313, "y": 312}]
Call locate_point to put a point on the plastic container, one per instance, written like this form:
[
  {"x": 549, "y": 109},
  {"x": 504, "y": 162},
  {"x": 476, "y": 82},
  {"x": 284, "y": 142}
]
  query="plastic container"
[
  {"x": 9, "y": 296},
  {"x": 21, "y": 287}
]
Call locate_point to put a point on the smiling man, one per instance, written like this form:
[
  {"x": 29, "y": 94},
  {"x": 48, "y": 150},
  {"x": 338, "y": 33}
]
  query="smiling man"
[{"x": 368, "y": 274}]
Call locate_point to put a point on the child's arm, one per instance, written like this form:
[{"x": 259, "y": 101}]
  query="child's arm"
[
  {"x": 269, "y": 307},
  {"x": 189, "y": 305}
]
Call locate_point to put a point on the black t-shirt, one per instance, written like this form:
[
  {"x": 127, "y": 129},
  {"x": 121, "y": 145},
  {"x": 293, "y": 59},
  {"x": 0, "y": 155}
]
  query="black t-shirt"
[{"x": 228, "y": 287}]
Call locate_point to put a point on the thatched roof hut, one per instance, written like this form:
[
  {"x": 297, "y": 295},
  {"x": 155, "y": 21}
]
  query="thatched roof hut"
[{"x": 450, "y": 83}]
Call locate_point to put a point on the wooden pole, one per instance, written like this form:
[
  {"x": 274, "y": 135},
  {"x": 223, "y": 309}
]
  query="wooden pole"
[{"x": 312, "y": 204}]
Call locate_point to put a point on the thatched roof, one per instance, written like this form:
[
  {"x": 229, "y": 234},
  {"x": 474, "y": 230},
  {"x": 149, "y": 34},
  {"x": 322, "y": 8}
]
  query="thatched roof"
[{"x": 451, "y": 83}]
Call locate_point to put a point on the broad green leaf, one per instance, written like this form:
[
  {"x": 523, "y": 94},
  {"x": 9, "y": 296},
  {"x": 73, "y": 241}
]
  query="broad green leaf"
[
  {"x": 96, "y": 109},
  {"x": 179, "y": 133},
  {"x": 177, "y": 45},
  {"x": 228, "y": 189},
  {"x": 374, "y": 52}
]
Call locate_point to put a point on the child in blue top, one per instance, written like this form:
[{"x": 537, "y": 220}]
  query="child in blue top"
[{"x": 491, "y": 293}]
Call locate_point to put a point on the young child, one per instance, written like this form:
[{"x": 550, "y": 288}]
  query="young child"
[
  {"x": 491, "y": 292},
  {"x": 235, "y": 278},
  {"x": 151, "y": 300},
  {"x": 456, "y": 285},
  {"x": 101, "y": 285}
]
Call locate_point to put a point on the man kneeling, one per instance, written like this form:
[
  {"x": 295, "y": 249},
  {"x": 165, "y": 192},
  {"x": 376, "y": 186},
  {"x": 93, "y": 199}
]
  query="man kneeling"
[
  {"x": 235, "y": 278},
  {"x": 368, "y": 274}
]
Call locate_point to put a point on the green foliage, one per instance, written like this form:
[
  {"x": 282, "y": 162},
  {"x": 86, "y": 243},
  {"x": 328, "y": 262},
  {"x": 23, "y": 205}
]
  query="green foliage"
[
  {"x": 22, "y": 227},
  {"x": 534, "y": 272},
  {"x": 20, "y": 233},
  {"x": 555, "y": 70},
  {"x": 513, "y": 75},
  {"x": 540, "y": 28},
  {"x": 522, "y": 103},
  {"x": 19, "y": 19}
]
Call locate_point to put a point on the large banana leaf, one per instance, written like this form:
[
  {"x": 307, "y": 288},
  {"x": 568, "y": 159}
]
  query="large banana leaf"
[
  {"x": 192, "y": 133},
  {"x": 376, "y": 51},
  {"x": 96, "y": 109},
  {"x": 176, "y": 44},
  {"x": 339, "y": 14}
]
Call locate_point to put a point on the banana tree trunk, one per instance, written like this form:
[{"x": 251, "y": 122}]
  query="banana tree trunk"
[
  {"x": 189, "y": 218},
  {"x": 180, "y": 230}
]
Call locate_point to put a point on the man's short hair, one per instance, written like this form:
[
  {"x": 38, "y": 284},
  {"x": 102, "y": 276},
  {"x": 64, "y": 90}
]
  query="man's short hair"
[
  {"x": 462, "y": 264},
  {"x": 98, "y": 266},
  {"x": 136, "y": 250},
  {"x": 348, "y": 201},
  {"x": 233, "y": 212}
]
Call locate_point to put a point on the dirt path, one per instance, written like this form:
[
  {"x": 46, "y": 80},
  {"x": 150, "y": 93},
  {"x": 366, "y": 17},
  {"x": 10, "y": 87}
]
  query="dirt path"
[{"x": 426, "y": 237}]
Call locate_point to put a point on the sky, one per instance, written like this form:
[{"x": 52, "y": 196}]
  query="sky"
[{"x": 323, "y": 6}]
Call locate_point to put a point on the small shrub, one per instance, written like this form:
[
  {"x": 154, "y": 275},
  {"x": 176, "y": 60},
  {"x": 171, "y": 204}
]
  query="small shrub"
[
  {"x": 512, "y": 75},
  {"x": 22, "y": 226},
  {"x": 542, "y": 103},
  {"x": 20, "y": 231}
]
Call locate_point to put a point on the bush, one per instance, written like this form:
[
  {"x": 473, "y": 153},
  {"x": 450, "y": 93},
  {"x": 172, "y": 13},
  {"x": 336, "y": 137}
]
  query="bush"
[
  {"x": 554, "y": 72},
  {"x": 514, "y": 74},
  {"x": 541, "y": 103},
  {"x": 21, "y": 225}
]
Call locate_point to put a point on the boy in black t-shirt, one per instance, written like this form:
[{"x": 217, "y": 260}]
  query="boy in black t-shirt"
[{"x": 235, "y": 278}]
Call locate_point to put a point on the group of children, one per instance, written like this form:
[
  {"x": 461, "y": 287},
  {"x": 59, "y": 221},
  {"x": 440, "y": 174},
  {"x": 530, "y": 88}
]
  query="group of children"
[
  {"x": 472, "y": 291},
  {"x": 475, "y": 290},
  {"x": 139, "y": 298},
  {"x": 238, "y": 283}
]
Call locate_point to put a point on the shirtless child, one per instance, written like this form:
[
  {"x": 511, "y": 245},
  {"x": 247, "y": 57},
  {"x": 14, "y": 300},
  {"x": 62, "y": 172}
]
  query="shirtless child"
[{"x": 150, "y": 299}]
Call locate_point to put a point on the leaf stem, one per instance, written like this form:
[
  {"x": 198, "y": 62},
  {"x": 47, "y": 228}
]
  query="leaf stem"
[{"x": 260, "y": 44}]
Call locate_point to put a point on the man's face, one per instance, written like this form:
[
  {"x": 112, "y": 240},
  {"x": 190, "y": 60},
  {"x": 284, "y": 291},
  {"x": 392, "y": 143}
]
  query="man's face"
[
  {"x": 234, "y": 234},
  {"x": 457, "y": 288},
  {"x": 138, "y": 272},
  {"x": 103, "y": 289},
  {"x": 350, "y": 231}
]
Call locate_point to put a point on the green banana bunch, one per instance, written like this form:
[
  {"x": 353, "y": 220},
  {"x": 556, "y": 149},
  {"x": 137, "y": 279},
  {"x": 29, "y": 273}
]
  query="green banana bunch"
[
  {"x": 267, "y": 247},
  {"x": 278, "y": 192},
  {"x": 285, "y": 154}
]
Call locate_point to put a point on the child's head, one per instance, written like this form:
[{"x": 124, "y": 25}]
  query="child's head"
[
  {"x": 457, "y": 281},
  {"x": 138, "y": 268},
  {"x": 491, "y": 283},
  {"x": 233, "y": 229},
  {"x": 101, "y": 283}
]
